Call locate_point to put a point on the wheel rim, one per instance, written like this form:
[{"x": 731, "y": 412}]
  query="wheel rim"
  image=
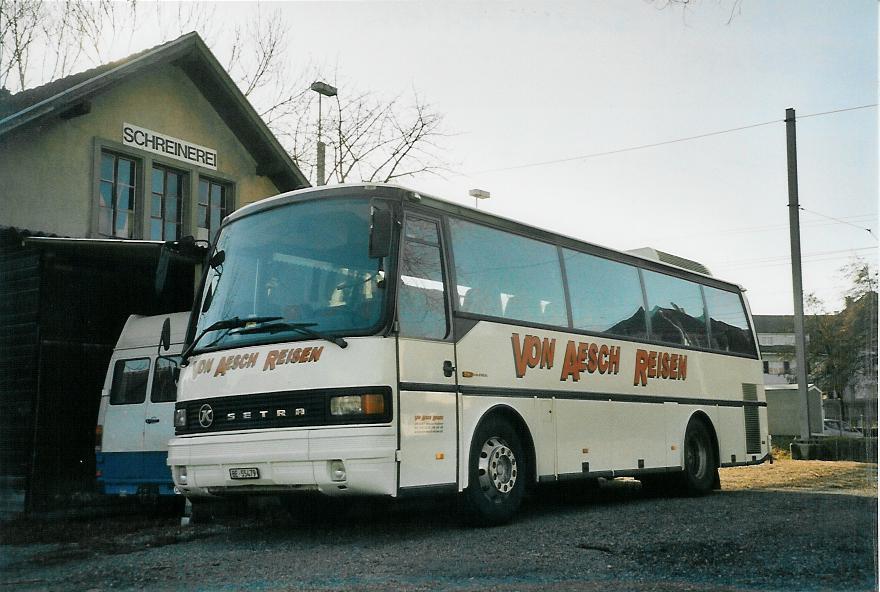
[
  {"x": 697, "y": 456},
  {"x": 497, "y": 469}
]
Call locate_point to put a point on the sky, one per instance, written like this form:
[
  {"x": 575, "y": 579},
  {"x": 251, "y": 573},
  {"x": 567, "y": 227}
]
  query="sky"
[
  {"x": 520, "y": 84},
  {"x": 524, "y": 83}
]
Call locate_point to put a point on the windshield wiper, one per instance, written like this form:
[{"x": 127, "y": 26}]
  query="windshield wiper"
[
  {"x": 232, "y": 323},
  {"x": 302, "y": 328}
]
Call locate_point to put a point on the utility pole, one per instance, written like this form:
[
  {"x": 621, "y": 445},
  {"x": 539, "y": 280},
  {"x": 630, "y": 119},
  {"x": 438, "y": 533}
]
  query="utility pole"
[{"x": 796, "y": 279}]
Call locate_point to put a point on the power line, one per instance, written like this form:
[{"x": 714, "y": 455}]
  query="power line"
[
  {"x": 836, "y": 111},
  {"x": 818, "y": 256},
  {"x": 868, "y": 230},
  {"x": 656, "y": 144},
  {"x": 770, "y": 228}
]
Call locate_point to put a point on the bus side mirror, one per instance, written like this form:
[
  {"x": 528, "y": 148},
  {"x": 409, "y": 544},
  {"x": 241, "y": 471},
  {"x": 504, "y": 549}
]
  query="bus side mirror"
[
  {"x": 381, "y": 227},
  {"x": 162, "y": 270},
  {"x": 187, "y": 248},
  {"x": 165, "y": 337}
]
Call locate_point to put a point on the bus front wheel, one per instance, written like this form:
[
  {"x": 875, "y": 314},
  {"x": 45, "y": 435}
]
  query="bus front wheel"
[
  {"x": 497, "y": 474},
  {"x": 700, "y": 464}
]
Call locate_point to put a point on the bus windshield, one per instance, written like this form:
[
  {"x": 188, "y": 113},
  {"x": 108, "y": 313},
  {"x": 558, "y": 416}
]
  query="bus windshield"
[{"x": 304, "y": 264}]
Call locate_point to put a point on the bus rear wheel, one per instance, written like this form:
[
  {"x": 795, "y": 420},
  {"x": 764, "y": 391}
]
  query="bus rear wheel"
[
  {"x": 497, "y": 474},
  {"x": 700, "y": 464}
]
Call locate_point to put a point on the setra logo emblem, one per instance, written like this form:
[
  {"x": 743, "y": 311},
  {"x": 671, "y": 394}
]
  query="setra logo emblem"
[{"x": 206, "y": 416}]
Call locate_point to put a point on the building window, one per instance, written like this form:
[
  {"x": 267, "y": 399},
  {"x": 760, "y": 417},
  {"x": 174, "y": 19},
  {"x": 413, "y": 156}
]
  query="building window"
[
  {"x": 166, "y": 211},
  {"x": 766, "y": 367},
  {"x": 214, "y": 205},
  {"x": 116, "y": 210},
  {"x": 786, "y": 367}
]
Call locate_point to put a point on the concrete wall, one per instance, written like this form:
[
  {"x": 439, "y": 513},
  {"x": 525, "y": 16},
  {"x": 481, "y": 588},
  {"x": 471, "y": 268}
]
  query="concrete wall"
[
  {"x": 784, "y": 410},
  {"x": 48, "y": 169}
]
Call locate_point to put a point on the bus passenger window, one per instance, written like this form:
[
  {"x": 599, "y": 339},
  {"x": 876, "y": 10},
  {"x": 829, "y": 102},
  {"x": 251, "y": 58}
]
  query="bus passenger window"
[
  {"x": 729, "y": 328},
  {"x": 606, "y": 296},
  {"x": 676, "y": 309},
  {"x": 421, "y": 300},
  {"x": 509, "y": 275}
]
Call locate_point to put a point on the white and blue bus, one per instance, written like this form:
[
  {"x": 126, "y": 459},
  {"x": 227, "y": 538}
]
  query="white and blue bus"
[
  {"x": 370, "y": 340},
  {"x": 135, "y": 419}
]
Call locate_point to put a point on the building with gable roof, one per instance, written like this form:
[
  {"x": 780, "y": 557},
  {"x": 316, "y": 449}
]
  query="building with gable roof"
[{"x": 97, "y": 170}]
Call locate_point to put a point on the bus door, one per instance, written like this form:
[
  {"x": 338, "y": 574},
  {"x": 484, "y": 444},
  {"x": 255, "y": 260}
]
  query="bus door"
[
  {"x": 159, "y": 420},
  {"x": 427, "y": 398},
  {"x": 123, "y": 439}
]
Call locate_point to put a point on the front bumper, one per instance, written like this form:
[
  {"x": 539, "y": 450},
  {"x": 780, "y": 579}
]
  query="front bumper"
[{"x": 287, "y": 460}]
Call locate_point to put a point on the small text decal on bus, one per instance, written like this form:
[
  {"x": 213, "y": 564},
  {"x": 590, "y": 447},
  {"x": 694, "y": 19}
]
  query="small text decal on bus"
[{"x": 655, "y": 364}]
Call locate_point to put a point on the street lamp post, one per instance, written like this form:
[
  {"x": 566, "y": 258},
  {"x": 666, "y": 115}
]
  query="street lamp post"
[
  {"x": 478, "y": 194},
  {"x": 324, "y": 90}
]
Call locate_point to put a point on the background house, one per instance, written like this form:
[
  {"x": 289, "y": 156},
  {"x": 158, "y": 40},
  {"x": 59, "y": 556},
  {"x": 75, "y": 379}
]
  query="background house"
[
  {"x": 857, "y": 403},
  {"x": 776, "y": 338}
]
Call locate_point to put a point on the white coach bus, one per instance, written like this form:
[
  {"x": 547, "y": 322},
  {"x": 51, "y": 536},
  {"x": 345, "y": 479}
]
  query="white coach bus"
[{"x": 369, "y": 340}]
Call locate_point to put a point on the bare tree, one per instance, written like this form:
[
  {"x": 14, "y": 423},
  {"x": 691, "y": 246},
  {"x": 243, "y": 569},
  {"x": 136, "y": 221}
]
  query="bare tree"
[
  {"x": 391, "y": 142},
  {"x": 61, "y": 35},
  {"x": 370, "y": 138},
  {"x": 19, "y": 26},
  {"x": 685, "y": 5}
]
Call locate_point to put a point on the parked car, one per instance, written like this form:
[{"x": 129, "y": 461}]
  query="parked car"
[{"x": 835, "y": 428}]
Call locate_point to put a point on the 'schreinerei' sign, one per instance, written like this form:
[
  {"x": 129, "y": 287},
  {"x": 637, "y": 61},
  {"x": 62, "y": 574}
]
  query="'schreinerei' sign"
[{"x": 169, "y": 146}]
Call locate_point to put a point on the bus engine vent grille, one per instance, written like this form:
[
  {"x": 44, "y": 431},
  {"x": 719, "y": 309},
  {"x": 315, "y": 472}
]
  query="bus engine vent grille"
[{"x": 752, "y": 420}]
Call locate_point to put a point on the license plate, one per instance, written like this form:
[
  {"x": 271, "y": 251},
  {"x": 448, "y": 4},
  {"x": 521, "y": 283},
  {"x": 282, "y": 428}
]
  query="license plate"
[{"x": 244, "y": 473}]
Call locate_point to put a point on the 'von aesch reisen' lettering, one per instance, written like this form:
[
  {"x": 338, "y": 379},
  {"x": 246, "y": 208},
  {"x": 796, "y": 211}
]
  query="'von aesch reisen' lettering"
[
  {"x": 535, "y": 352},
  {"x": 656, "y": 364}
]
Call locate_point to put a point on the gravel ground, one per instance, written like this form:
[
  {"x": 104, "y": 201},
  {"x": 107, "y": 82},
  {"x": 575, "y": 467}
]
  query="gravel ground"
[{"x": 564, "y": 539}]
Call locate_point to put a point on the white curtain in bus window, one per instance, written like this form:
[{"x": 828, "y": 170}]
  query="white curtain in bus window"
[
  {"x": 506, "y": 275},
  {"x": 729, "y": 328},
  {"x": 164, "y": 389},
  {"x": 676, "y": 310},
  {"x": 129, "y": 381},
  {"x": 606, "y": 296},
  {"x": 421, "y": 299}
]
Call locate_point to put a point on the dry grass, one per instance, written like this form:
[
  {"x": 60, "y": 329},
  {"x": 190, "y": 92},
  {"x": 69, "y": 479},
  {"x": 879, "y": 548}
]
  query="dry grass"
[{"x": 815, "y": 475}]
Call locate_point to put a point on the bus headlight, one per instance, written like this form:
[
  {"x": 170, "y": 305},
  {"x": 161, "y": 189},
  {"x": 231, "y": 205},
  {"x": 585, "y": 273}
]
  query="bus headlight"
[
  {"x": 180, "y": 418},
  {"x": 354, "y": 405}
]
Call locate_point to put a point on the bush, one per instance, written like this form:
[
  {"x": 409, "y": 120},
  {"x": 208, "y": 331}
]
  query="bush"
[{"x": 854, "y": 449}]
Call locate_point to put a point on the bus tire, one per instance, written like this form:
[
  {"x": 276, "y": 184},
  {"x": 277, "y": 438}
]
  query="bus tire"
[
  {"x": 700, "y": 464},
  {"x": 497, "y": 474}
]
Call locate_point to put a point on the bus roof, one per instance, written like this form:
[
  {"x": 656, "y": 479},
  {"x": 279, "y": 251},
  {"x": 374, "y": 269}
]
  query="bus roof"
[
  {"x": 670, "y": 264},
  {"x": 142, "y": 331}
]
